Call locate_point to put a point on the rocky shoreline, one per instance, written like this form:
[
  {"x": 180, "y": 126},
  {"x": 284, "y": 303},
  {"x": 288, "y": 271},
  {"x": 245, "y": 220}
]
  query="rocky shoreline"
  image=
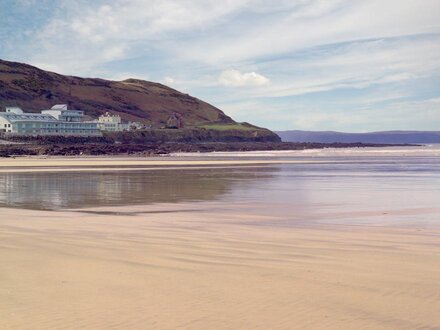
[{"x": 95, "y": 148}]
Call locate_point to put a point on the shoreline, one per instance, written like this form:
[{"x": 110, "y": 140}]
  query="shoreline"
[
  {"x": 67, "y": 148},
  {"x": 187, "y": 160}
]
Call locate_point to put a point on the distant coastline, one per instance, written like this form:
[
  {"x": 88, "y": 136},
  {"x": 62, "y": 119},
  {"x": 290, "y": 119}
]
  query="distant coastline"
[{"x": 422, "y": 137}]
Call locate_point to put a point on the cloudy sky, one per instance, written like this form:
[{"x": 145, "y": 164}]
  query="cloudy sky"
[{"x": 347, "y": 65}]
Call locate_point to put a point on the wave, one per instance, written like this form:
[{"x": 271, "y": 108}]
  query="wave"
[{"x": 428, "y": 150}]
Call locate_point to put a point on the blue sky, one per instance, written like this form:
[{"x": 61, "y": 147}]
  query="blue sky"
[{"x": 347, "y": 65}]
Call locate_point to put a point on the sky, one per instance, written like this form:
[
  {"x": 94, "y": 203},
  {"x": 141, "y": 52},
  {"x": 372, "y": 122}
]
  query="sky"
[{"x": 344, "y": 65}]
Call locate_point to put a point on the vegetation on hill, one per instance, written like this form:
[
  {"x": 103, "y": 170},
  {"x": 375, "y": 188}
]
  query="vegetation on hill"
[{"x": 133, "y": 99}]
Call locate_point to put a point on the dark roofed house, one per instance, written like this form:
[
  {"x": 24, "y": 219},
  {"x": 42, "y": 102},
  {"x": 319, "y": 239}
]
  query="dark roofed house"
[{"x": 175, "y": 121}]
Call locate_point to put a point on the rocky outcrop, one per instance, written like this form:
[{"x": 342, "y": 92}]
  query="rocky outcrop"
[
  {"x": 63, "y": 148},
  {"x": 193, "y": 135}
]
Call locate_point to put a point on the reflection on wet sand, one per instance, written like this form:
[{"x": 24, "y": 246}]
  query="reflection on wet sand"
[
  {"x": 334, "y": 245},
  {"x": 82, "y": 190}
]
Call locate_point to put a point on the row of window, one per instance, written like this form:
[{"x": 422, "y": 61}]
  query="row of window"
[
  {"x": 49, "y": 125},
  {"x": 30, "y": 117},
  {"x": 48, "y": 131}
]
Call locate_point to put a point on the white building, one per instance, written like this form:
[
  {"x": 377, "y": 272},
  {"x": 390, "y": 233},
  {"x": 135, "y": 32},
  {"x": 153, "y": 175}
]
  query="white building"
[
  {"x": 60, "y": 112},
  {"x": 112, "y": 123},
  {"x": 56, "y": 121}
]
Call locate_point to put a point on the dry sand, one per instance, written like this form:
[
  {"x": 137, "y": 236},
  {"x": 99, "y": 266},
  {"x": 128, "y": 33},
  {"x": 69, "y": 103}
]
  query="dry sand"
[{"x": 198, "y": 269}]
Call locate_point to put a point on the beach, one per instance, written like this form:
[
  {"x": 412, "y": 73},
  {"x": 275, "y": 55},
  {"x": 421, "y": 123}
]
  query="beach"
[{"x": 265, "y": 244}]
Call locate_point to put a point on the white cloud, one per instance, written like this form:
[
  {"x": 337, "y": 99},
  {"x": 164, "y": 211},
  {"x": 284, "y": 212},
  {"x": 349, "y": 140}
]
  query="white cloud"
[
  {"x": 168, "y": 81},
  {"x": 235, "y": 78},
  {"x": 295, "y": 116},
  {"x": 316, "y": 22},
  {"x": 304, "y": 46},
  {"x": 81, "y": 36},
  {"x": 85, "y": 36},
  {"x": 311, "y": 121},
  {"x": 394, "y": 115},
  {"x": 356, "y": 65},
  {"x": 120, "y": 76}
]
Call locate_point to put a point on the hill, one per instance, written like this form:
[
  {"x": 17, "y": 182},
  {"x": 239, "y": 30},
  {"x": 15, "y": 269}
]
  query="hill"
[
  {"x": 34, "y": 89},
  {"x": 373, "y": 137}
]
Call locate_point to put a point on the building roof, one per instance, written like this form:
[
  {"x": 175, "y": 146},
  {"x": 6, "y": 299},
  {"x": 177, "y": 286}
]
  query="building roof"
[
  {"x": 59, "y": 107},
  {"x": 63, "y": 112},
  {"x": 14, "y": 109},
  {"x": 13, "y": 117}
]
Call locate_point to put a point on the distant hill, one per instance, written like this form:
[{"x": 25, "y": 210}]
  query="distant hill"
[
  {"x": 34, "y": 89},
  {"x": 373, "y": 137}
]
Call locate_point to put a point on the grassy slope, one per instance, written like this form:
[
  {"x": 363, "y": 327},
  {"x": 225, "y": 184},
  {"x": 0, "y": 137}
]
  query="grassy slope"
[{"x": 137, "y": 100}]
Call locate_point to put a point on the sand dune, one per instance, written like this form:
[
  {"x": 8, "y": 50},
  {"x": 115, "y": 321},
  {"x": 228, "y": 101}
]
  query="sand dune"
[{"x": 200, "y": 270}]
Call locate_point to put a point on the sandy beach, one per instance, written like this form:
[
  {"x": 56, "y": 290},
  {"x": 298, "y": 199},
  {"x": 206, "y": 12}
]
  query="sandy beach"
[
  {"x": 194, "y": 265},
  {"x": 101, "y": 164},
  {"x": 197, "y": 270}
]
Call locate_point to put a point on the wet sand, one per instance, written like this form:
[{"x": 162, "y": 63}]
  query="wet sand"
[
  {"x": 109, "y": 164},
  {"x": 93, "y": 162},
  {"x": 345, "y": 249},
  {"x": 184, "y": 266}
]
